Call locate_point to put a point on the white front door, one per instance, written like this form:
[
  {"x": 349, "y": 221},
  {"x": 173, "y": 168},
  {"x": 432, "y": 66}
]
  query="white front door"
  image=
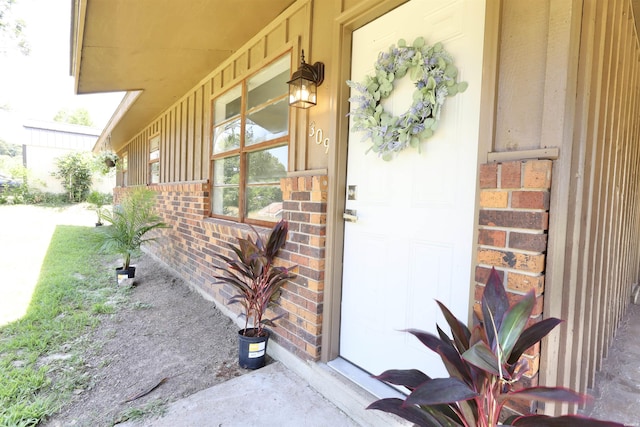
[{"x": 412, "y": 242}]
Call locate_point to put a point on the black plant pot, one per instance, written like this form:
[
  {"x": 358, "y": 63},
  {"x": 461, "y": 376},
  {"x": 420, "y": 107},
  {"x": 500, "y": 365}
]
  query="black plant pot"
[
  {"x": 252, "y": 351},
  {"x": 122, "y": 274}
]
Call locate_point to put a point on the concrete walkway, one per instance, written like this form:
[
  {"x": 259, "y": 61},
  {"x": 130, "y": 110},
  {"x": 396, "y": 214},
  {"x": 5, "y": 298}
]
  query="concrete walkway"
[
  {"x": 269, "y": 397},
  {"x": 286, "y": 399},
  {"x": 617, "y": 389}
]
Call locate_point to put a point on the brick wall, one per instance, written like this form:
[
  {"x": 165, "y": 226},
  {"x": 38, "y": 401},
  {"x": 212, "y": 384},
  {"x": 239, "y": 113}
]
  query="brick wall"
[
  {"x": 193, "y": 238},
  {"x": 513, "y": 223},
  {"x": 305, "y": 207}
]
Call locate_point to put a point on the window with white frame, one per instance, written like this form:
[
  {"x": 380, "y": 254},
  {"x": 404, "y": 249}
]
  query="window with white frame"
[{"x": 250, "y": 146}]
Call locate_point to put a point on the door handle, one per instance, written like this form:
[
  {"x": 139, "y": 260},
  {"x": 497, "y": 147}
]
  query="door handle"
[{"x": 350, "y": 215}]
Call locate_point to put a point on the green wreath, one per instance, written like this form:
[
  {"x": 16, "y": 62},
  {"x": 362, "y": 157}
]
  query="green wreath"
[{"x": 434, "y": 73}]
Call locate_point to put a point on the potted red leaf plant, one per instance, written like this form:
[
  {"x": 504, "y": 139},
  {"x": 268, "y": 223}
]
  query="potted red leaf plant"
[
  {"x": 250, "y": 270},
  {"x": 485, "y": 368}
]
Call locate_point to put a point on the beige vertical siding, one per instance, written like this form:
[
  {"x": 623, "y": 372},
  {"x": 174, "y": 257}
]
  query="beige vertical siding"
[
  {"x": 185, "y": 127},
  {"x": 603, "y": 231}
]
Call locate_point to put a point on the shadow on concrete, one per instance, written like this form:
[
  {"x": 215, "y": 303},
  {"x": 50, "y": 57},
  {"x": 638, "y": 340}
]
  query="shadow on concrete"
[{"x": 617, "y": 389}]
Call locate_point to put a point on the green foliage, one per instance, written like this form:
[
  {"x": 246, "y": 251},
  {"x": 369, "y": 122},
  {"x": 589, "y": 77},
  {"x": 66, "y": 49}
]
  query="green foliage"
[
  {"x": 153, "y": 408},
  {"x": 434, "y": 74},
  {"x": 62, "y": 309},
  {"x": 130, "y": 221},
  {"x": 98, "y": 200},
  {"x": 27, "y": 195},
  {"x": 80, "y": 116},
  {"x": 13, "y": 28},
  {"x": 105, "y": 162},
  {"x": 485, "y": 367},
  {"x": 251, "y": 271},
  {"x": 74, "y": 172},
  {"x": 11, "y": 150}
]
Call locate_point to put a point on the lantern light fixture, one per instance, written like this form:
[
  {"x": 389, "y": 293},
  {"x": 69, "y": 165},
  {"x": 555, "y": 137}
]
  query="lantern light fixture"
[{"x": 303, "y": 86}]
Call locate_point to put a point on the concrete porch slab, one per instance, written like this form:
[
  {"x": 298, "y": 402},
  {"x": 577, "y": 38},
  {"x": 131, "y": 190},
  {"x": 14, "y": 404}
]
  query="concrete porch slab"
[{"x": 271, "y": 396}]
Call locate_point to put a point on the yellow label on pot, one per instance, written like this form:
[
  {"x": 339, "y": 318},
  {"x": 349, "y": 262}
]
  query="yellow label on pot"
[{"x": 256, "y": 346}]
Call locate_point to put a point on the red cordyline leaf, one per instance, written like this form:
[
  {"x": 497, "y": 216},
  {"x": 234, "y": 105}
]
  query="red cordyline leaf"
[
  {"x": 481, "y": 356},
  {"x": 514, "y": 321},
  {"x": 494, "y": 305},
  {"x": 448, "y": 353},
  {"x": 531, "y": 336},
  {"x": 277, "y": 239},
  {"x": 437, "y": 391},
  {"x": 459, "y": 330},
  {"x": 409, "y": 413},
  {"x": 409, "y": 378}
]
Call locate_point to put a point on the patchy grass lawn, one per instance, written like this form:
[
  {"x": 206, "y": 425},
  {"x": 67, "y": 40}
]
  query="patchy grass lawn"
[{"x": 73, "y": 291}]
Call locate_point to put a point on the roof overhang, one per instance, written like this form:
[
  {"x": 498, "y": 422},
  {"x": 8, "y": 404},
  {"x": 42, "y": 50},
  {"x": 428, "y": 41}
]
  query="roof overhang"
[{"x": 156, "y": 49}]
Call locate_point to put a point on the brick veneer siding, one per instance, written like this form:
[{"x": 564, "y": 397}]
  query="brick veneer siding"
[
  {"x": 193, "y": 238},
  {"x": 513, "y": 222}
]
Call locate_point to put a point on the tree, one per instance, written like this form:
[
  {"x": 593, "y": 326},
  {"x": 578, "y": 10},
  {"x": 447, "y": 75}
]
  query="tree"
[
  {"x": 12, "y": 28},
  {"x": 11, "y": 150},
  {"x": 74, "y": 172},
  {"x": 80, "y": 116}
]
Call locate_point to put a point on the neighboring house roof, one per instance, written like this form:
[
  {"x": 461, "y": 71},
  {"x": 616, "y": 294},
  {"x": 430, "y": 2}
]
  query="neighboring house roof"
[
  {"x": 160, "y": 48},
  {"x": 59, "y": 135}
]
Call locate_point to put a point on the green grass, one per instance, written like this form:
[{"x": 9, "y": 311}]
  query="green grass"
[
  {"x": 39, "y": 371},
  {"x": 155, "y": 408}
]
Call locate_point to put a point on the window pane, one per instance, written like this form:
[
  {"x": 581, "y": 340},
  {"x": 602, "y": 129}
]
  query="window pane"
[
  {"x": 226, "y": 171},
  {"x": 267, "y": 166},
  {"x": 264, "y": 202},
  {"x": 270, "y": 83},
  {"x": 155, "y": 172},
  {"x": 154, "y": 155},
  {"x": 225, "y": 201},
  {"x": 226, "y": 180},
  {"x": 154, "y": 143},
  {"x": 268, "y": 123},
  {"x": 226, "y": 137},
  {"x": 227, "y": 105}
]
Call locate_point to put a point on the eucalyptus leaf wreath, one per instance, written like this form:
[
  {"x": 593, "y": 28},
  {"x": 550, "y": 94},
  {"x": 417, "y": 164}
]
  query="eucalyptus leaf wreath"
[{"x": 434, "y": 74}]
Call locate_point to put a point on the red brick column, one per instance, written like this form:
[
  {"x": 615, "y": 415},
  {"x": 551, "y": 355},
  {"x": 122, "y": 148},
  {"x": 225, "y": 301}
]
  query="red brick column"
[
  {"x": 513, "y": 223},
  {"x": 305, "y": 207}
]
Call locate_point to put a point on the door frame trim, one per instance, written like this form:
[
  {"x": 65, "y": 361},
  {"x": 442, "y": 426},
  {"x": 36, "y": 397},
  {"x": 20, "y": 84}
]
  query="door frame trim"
[{"x": 343, "y": 27}]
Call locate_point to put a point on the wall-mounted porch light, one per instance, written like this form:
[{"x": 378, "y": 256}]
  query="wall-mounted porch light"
[{"x": 304, "y": 84}]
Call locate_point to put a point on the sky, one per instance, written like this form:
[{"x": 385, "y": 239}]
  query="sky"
[{"x": 39, "y": 85}]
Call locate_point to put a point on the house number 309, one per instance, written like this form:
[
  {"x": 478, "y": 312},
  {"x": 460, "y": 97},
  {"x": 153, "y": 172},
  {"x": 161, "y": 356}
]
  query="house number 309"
[{"x": 317, "y": 132}]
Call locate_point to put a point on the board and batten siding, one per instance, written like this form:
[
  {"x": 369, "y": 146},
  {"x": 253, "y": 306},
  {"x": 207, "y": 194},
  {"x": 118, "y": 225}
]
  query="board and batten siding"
[
  {"x": 184, "y": 142},
  {"x": 608, "y": 134},
  {"x": 185, "y": 127},
  {"x": 183, "y": 193},
  {"x": 600, "y": 253}
]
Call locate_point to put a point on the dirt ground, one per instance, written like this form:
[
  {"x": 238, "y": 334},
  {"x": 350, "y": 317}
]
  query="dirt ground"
[
  {"x": 163, "y": 332},
  {"x": 167, "y": 334}
]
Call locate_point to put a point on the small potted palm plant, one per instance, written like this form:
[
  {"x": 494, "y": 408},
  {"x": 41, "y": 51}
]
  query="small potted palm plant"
[
  {"x": 250, "y": 270},
  {"x": 98, "y": 200},
  {"x": 130, "y": 222}
]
